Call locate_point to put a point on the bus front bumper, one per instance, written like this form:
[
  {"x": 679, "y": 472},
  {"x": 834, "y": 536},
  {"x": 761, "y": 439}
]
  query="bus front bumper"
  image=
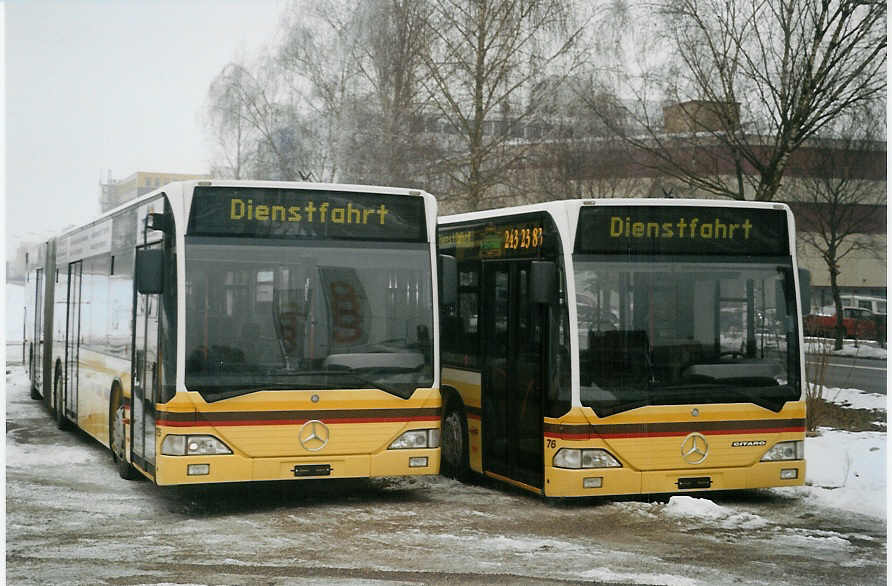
[
  {"x": 172, "y": 470},
  {"x": 560, "y": 482}
]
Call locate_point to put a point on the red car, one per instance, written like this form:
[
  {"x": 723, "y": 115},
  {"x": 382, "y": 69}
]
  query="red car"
[{"x": 859, "y": 323}]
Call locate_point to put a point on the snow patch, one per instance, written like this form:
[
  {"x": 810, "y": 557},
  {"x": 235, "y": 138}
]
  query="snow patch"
[
  {"x": 18, "y": 456},
  {"x": 864, "y": 349},
  {"x": 687, "y": 507},
  {"x": 607, "y": 575},
  {"x": 846, "y": 471},
  {"x": 811, "y": 538},
  {"x": 854, "y": 398}
]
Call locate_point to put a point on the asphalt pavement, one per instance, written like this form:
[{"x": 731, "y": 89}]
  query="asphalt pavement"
[{"x": 847, "y": 372}]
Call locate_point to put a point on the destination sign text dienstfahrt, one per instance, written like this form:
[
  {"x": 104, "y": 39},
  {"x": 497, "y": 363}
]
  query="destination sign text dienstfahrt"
[{"x": 296, "y": 213}]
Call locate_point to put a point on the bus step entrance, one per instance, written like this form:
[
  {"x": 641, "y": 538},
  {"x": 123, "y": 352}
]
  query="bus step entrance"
[
  {"x": 689, "y": 483},
  {"x": 312, "y": 470}
]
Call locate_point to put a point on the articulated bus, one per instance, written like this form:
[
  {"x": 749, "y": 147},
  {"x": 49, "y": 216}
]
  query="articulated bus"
[
  {"x": 223, "y": 331},
  {"x": 625, "y": 346}
]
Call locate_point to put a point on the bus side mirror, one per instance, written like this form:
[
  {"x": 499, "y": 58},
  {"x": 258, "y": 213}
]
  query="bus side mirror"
[
  {"x": 160, "y": 222},
  {"x": 543, "y": 281},
  {"x": 448, "y": 278},
  {"x": 805, "y": 290},
  {"x": 150, "y": 271}
]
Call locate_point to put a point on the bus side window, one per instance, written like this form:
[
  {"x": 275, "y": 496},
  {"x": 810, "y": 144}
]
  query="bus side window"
[{"x": 460, "y": 331}]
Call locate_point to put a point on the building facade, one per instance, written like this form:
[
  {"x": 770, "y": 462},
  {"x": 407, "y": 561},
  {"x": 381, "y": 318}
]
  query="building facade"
[{"x": 114, "y": 192}]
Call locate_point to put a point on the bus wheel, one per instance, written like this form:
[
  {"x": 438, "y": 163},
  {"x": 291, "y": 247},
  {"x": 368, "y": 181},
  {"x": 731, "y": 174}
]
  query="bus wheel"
[
  {"x": 61, "y": 421},
  {"x": 454, "y": 443},
  {"x": 117, "y": 439}
]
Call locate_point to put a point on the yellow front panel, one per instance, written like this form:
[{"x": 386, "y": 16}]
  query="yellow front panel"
[
  {"x": 619, "y": 481},
  {"x": 265, "y": 432},
  {"x": 650, "y": 444},
  {"x": 235, "y": 468}
]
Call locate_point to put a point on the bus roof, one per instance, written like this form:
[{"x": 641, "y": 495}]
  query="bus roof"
[
  {"x": 186, "y": 186},
  {"x": 558, "y": 206}
]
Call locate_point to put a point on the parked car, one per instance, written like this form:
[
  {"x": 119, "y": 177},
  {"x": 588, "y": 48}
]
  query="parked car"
[
  {"x": 874, "y": 304},
  {"x": 858, "y": 322}
]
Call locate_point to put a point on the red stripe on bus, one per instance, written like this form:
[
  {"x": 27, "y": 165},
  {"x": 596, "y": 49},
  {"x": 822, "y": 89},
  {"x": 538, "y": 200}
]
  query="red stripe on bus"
[{"x": 578, "y": 436}]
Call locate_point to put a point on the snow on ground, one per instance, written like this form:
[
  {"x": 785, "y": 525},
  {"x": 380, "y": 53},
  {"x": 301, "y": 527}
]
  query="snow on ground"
[
  {"x": 861, "y": 349},
  {"x": 854, "y": 398},
  {"x": 844, "y": 470},
  {"x": 686, "y": 507}
]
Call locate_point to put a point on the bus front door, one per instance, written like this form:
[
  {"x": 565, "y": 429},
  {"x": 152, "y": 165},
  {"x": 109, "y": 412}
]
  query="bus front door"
[
  {"x": 513, "y": 377},
  {"x": 144, "y": 377}
]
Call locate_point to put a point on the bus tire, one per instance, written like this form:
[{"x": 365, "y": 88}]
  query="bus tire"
[
  {"x": 117, "y": 440},
  {"x": 59, "y": 407},
  {"x": 454, "y": 442}
]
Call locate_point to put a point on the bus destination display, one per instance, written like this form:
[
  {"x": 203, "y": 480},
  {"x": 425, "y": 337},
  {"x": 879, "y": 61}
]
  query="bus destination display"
[
  {"x": 294, "y": 213},
  {"x": 525, "y": 236},
  {"x": 682, "y": 230}
]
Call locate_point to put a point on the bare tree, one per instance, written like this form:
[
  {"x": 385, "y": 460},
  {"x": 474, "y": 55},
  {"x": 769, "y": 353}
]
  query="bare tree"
[
  {"x": 388, "y": 142},
  {"x": 484, "y": 56},
  {"x": 231, "y": 133},
  {"x": 751, "y": 81},
  {"x": 318, "y": 65},
  {"x": 252, "y": 108},
  {"x": 841, "y": 207}
]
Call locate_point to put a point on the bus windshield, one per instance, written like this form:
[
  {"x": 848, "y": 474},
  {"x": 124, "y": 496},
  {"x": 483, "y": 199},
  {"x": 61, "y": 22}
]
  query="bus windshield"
[
  {"x": 275, "y": 314},
  {"x": 668, "y": 333}
]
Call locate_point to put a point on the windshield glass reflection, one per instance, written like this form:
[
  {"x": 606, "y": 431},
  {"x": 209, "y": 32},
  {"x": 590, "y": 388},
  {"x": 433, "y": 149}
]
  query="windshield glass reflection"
[{"x": 267, "y": 316}]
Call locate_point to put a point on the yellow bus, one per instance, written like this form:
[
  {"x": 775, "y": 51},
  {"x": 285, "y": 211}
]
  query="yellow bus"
[
  {"x": 223, "y": 331},
  {"x": 623, "y": 346}
]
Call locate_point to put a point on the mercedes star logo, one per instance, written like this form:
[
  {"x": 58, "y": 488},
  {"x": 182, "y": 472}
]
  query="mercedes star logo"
[
  {"x": 313, "y": 435},
  {"x": 694, "y": 448}
]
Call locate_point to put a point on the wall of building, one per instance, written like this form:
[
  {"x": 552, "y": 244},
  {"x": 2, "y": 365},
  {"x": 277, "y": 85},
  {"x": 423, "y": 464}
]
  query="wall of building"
[{"x": 115, "y": 192}]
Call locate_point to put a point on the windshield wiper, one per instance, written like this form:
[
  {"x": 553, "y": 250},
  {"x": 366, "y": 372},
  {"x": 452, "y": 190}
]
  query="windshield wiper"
[
  {"x": 752, "y": 394},
  {"x": 213, "y": 393},
  {"x": 393, "y": 390},
  {"x": 250, "y": 387}
]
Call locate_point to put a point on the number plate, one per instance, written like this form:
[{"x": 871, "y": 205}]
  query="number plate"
[
  {"x": 689, "y": 483},
  {"x": 312, "y": 470}
]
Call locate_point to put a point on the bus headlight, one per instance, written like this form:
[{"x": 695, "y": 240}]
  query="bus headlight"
[
  {"x": 794, "y": 450},
  {"x": 576, "y": 459},
  {"x": 417, "y": 438},
  {"x": 193, "y": 445}
]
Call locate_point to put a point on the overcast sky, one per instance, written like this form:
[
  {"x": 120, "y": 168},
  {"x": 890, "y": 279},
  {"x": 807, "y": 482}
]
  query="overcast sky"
[{"x": 93, "y": 85}]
